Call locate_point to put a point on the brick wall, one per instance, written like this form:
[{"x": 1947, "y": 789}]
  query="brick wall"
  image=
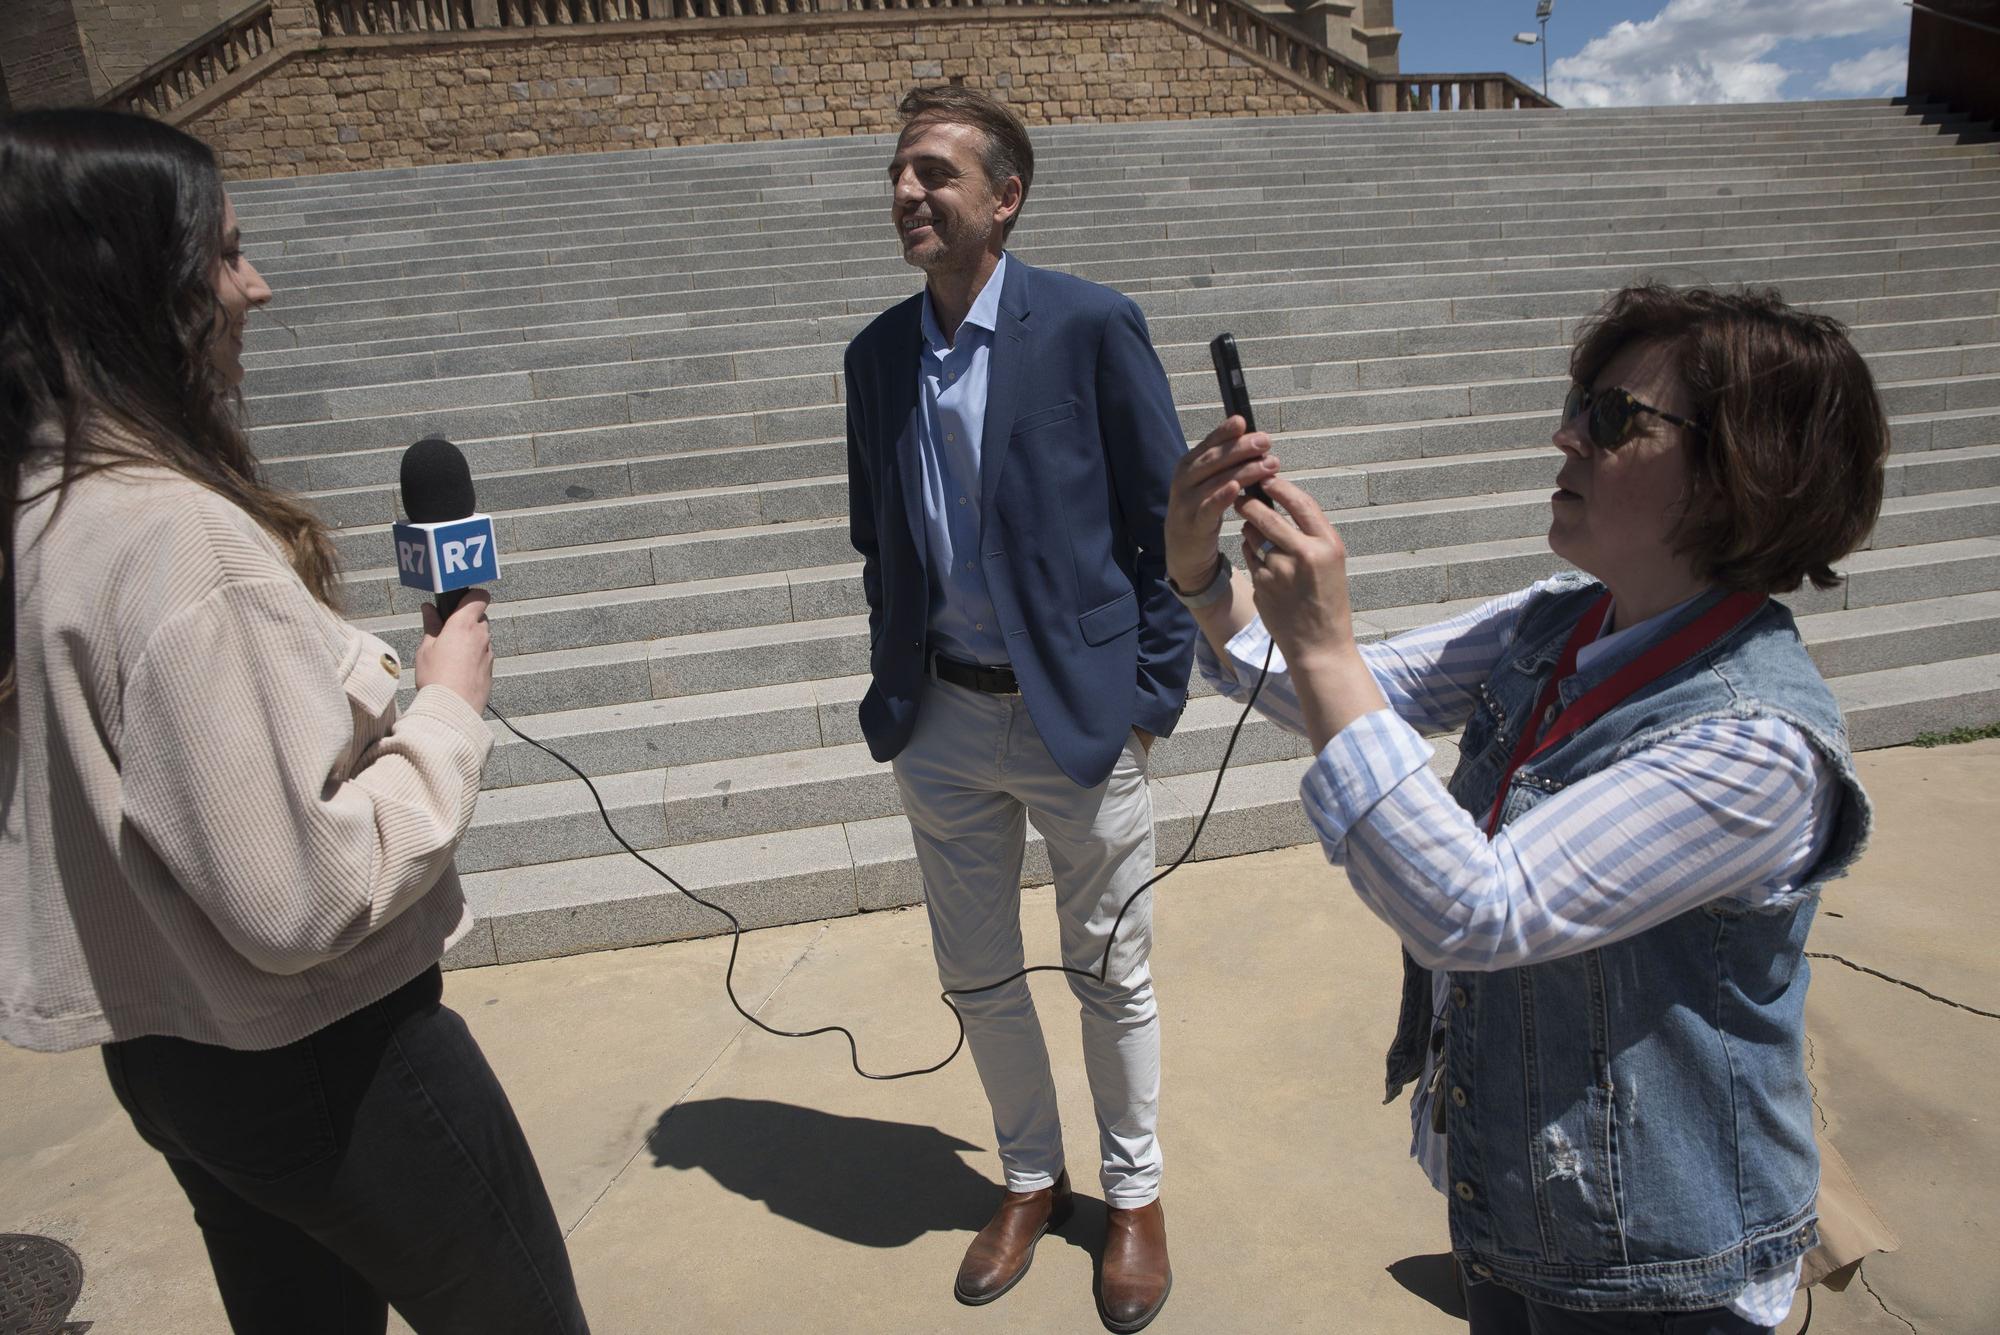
[{"x": 353, "y": 103}]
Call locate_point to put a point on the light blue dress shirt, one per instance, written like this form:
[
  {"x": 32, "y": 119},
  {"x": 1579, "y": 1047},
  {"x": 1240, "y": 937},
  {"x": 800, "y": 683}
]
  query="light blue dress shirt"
[{"x": 951, "y": 424}]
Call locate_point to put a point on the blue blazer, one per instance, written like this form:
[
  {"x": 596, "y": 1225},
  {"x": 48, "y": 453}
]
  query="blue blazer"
[{"x": 1080, "y": 442}]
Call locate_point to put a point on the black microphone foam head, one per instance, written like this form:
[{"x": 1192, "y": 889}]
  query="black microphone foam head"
[{"x": 437, "y": 482}]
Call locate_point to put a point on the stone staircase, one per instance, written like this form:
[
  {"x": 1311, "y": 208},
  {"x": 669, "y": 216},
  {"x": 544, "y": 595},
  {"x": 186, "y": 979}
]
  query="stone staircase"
[{"x": 640, "y": 353}]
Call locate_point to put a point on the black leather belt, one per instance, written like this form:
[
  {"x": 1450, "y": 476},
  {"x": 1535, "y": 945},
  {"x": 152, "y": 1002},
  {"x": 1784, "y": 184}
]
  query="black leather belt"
[{"x": 992, "y": 680}]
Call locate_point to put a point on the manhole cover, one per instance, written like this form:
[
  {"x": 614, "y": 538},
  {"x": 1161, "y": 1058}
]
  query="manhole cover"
[{"x": 39, "y": 1282}]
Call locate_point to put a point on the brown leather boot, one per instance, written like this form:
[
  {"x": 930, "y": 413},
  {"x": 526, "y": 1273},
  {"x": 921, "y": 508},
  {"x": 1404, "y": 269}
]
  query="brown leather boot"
[
  {"x": 1135, "y": 1280},
  {"x": 1000, "y": 1254}
]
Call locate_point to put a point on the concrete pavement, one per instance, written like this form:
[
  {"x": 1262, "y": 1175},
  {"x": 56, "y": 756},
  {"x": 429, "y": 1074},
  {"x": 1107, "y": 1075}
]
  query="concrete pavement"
[{"x": 714, "y": 1178}]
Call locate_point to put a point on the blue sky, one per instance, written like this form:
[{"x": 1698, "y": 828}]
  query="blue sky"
[{"x": 1657, "y": 52}]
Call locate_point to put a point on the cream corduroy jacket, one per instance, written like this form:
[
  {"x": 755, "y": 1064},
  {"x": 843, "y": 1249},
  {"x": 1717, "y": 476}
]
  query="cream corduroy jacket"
[{"x": 213, "y": 823}]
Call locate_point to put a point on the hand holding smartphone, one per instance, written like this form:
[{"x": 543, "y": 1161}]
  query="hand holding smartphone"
[{"x": 1235, "y": 393}]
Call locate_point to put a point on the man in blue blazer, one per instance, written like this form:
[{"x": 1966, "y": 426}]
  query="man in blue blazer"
[{"x": 1011, "y": 439}]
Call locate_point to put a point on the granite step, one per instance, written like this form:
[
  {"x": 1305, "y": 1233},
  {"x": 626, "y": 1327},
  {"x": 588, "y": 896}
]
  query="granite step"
[
  {"x": 677, "y": 320},
  {"x": 1805, "y": 218},
  {"x": 1274, "y": 137},
  {"x": 1417, "y": 458},
  {"x": 357, "y": 486},
  {"x": 608, "y": 902},
  {"x": 678, "y": 733},
  {"x": 1380, "y": 507},
  {"x": 1243, "y": 258},
  {"x": 623, "y": 647},
  {"x": 1401, "y": 463},
  {"x": 362, "y": 196},
  {"x": 1058, "y": 201},
  {"x": 612, "y": 901},
  {"x": 374, "y": 385},
  {"x": 516, "y": 296},
  {"x": 640, "y": 353}
]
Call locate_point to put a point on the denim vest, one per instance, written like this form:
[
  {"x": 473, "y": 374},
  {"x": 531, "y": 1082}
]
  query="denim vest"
[{"x": 1631, "y": 1127}]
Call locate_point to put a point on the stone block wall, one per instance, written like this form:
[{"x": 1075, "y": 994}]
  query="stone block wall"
[
  {"x": 72, "y": 52},
  {"x": 42, "y": 54},
  {"x": 404, "y": 101},
  {"x": 125, "y": 36}
]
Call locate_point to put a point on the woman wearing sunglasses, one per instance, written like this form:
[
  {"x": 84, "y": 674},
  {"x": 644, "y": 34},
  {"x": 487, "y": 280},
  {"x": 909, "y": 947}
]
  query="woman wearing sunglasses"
[{"x": 1603, "y": 913}]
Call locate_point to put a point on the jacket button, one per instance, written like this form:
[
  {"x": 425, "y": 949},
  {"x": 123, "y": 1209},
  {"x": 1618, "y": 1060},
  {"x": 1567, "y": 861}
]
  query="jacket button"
[
  {"x": 1458, "y": 997},
  {"x": 390, "y": 666},
  {"x": 1483, "y": 1271},
  {"x": 1458, "y": 1096},
  {"x": 1464, "y": 1190}
]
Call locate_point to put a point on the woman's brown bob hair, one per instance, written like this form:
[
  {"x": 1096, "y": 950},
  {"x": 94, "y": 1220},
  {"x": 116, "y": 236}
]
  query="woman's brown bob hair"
[{"x": 1786, "y": 478}]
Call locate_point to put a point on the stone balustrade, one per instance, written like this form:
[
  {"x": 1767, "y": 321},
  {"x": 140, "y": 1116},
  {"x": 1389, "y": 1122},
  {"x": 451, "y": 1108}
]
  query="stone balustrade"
[
  {"x": 1453, "y": 92},
  {"x": 349, "y": 83},
  {"x": 198, "y": 66}
]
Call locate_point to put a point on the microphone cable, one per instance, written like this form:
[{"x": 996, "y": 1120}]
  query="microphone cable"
[{"x": 853, "y": 1049}]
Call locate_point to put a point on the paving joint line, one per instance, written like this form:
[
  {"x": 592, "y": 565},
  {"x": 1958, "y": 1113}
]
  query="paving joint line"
[
  {"x": 1899, "y": 982},
  {"x": 1812, "y": 1061},
  {"x": 1862, "y": 1271}
]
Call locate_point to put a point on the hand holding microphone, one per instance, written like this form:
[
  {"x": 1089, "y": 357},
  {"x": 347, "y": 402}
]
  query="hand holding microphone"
[
  {"x": 447, "y": 548},
  {"x": 457, "y": 652}
]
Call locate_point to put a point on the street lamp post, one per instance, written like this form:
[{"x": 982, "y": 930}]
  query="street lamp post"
[{"x": 1543, "y": 8}]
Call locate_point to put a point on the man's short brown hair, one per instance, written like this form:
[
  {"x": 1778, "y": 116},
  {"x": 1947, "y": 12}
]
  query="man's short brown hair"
[
  {"x": 1008, "y": 152},
  {"x": 1786, "y": 477}
]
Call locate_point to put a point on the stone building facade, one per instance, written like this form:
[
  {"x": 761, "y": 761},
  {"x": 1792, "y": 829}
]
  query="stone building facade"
[
  {"x": 394, "y": 102},
  {"x": 56, "y": 52}
]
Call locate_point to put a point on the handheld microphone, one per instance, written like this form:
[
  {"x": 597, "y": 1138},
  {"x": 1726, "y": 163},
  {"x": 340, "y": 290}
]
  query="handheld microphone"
[{"x": 446, "y": 546}]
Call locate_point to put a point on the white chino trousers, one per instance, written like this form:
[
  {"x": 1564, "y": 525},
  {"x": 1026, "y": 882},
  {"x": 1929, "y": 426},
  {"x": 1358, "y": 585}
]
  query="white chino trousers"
[{"x": 972, "y": 771}]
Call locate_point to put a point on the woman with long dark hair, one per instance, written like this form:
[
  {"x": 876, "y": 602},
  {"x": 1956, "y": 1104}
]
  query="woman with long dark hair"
[{"x": 225, "y": 857}]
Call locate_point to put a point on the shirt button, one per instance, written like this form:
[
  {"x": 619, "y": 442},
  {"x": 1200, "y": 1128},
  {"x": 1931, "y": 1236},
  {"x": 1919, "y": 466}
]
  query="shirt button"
[
  {"x": 979, "y": 625},
  {"x": 1464, "y": 1190},
  {"x": 961, "y": 500},
  {"x": 1458, "y": 1096},
  {"x": 949, "y": 436},
  {"x": 1458, "y": 997},
  {"x": 390, "y": 666},
  {"x": 968, "y": 565}
]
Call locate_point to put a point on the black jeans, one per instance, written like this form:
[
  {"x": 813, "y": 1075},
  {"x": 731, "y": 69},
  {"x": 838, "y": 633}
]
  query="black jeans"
[
  {"x": 376, "y": 1161},
  {"x": 1493, "y": 1310}
]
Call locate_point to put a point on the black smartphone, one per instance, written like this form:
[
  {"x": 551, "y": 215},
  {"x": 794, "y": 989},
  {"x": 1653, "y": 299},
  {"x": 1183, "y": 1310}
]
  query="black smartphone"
[{"x": 1235, "y": 393}]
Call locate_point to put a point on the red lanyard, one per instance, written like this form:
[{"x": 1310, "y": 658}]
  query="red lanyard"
[{"x": 1648, "y": 667}]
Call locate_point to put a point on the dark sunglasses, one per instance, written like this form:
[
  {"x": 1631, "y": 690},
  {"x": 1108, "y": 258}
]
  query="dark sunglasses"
[{"x": 1612, "y": 413}]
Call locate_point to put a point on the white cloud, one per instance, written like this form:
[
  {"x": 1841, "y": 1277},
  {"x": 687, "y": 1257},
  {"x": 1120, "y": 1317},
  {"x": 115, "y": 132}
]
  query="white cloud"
[
  {"x": 1709, "y": 51},
  {"x": 1880, "y": 71}
]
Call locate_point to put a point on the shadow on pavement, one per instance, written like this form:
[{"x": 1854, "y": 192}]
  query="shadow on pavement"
[
  {"x": 1430, "y": 1277},
  {"x": 875, "y": 1183}
]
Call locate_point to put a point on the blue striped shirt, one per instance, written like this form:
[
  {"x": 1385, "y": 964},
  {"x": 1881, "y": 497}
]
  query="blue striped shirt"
[{"x": 1736, "y": 807}]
